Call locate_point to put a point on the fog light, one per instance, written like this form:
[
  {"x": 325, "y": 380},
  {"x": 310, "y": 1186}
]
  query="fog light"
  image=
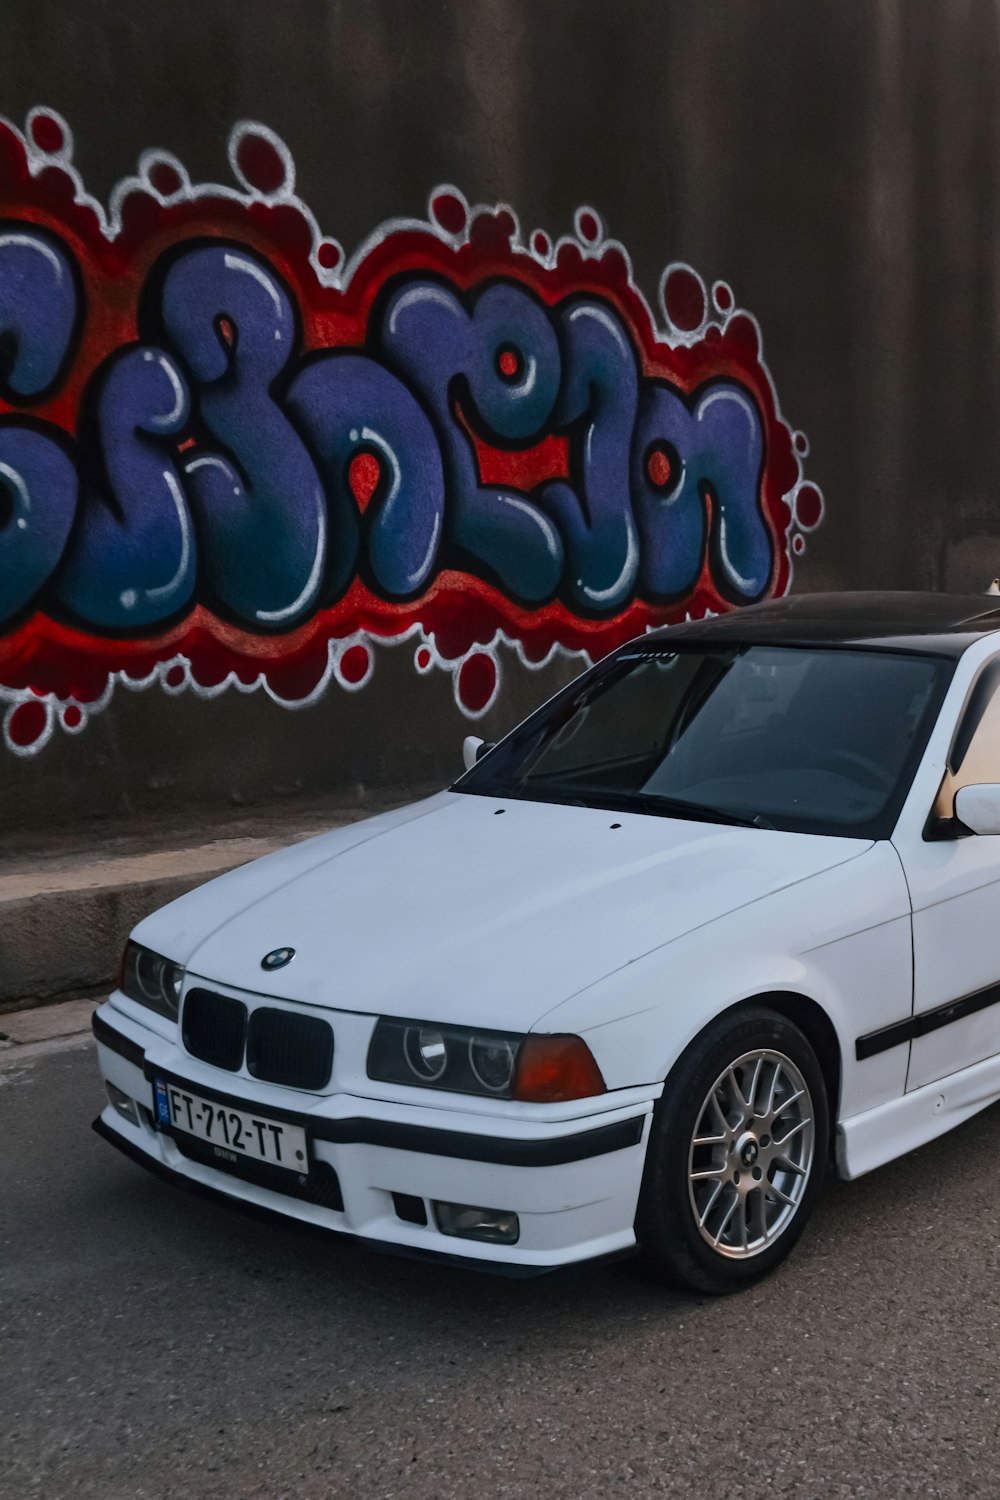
[
  {"x": 497, "y": 1226},
  {"x": 126, "y": 1107}
]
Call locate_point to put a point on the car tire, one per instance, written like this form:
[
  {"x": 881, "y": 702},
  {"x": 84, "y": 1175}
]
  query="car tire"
[{"x": 737, "y": 1154}]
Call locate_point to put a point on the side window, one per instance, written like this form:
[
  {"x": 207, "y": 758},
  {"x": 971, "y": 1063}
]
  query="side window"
[{"x": 974, "y": 756}]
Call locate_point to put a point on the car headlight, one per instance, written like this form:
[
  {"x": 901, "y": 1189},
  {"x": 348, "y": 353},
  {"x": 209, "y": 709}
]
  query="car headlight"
[
  {"x": 152, "y": 980},
  {"x": 499, "y": 1064}
]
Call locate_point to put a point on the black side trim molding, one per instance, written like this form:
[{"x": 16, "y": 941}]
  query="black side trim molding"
[
  {"x": 386, "y": 1247},
  {"x": 924, "y": 1023},
  {"x": 460, "y": 1145},
  {"x": 109, "y": 1037}
]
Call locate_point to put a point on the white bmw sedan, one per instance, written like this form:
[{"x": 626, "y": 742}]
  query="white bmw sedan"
[{"x": 722, "y": 915}]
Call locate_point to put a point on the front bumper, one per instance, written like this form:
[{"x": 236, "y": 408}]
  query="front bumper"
[{"x": 574, "y": 1184}]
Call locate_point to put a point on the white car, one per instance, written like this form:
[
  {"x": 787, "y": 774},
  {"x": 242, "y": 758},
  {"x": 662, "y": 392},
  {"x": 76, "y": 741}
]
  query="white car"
[{"x": 722, "y": 913}]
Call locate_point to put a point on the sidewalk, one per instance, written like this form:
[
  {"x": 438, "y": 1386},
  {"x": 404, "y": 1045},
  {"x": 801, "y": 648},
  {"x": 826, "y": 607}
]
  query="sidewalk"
[
  {"x": 67, "y": 903},
  {"x": 46, "y": 1023}
]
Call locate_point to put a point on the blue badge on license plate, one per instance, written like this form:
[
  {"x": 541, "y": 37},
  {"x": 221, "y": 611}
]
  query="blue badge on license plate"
[{"x": 162, "y": 1102}]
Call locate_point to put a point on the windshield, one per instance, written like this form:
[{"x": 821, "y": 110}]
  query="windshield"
[{"x": 818, "y": 740}]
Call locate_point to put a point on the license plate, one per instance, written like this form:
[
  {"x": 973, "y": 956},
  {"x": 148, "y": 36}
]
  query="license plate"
[{"x": 234, "y": 1133}]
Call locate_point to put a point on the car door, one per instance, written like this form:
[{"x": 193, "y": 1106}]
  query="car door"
[{"x": 954, "y": 881}]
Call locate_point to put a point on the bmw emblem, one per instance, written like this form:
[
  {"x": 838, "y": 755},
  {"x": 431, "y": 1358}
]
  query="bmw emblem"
[{"x": 277, "y": 958}]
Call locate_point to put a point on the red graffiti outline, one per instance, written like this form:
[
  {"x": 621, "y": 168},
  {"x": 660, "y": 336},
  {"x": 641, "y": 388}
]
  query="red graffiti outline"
[{"x": 459, "y": 613}]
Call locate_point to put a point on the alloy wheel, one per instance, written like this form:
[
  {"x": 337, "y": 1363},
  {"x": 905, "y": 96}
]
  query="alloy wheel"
[{"x": 752, "y": 1153}]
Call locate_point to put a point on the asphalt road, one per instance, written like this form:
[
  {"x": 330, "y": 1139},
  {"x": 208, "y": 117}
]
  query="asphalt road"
[{"x": 153, "y": 1344}]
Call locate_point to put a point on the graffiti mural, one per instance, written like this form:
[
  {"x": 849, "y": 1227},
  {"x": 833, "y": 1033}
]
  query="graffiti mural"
[{"x": 233, "y": 457}]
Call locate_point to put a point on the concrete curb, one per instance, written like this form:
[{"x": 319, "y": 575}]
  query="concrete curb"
[
  {"x": 49, "y": 1023},
  {"x": 65, "y": 913},
  {"x": 65, "y": 936}
]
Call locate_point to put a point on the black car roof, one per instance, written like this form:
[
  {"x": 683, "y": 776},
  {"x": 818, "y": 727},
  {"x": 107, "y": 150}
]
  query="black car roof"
[{"x": 944, "y": 623}]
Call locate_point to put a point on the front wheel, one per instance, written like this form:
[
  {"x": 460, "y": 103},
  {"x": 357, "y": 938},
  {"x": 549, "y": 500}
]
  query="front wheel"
[{"x": 736, "y": 1155}]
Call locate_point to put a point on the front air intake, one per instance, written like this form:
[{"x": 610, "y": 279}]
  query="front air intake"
[
  {"x": 288, "y": 1048},
  {"x": 214, "y": 1028},
  {"x": 281, "y": 1046},
  {"x": 320, "y": 1185}
]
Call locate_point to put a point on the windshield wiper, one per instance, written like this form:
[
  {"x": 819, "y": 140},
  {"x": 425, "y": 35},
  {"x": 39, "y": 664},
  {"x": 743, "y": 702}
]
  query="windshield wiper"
[
  {"x": 645, "y": 802},
  {"x": 677, "y": 807}
]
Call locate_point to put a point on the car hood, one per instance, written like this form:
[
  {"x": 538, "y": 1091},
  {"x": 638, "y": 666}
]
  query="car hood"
[{"x": 474, "y": 909}]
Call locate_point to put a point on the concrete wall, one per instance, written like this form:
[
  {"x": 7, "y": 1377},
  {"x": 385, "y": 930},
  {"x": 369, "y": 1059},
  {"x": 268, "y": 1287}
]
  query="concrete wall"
[{"x": 836, "y": 164}]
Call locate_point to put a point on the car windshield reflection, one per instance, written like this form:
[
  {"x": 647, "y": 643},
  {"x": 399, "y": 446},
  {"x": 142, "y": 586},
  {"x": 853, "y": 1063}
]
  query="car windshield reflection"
[{"x": 808, "y": 739}]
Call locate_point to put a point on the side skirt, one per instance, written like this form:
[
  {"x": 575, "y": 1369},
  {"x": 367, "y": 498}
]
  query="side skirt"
[{"x": 879, "y": 1135}]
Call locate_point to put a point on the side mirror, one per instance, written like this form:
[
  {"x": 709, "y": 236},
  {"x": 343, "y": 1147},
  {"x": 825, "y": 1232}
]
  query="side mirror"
[
  {"x": 473, "y": 749},
  {"x": 978, "y": 807}
]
